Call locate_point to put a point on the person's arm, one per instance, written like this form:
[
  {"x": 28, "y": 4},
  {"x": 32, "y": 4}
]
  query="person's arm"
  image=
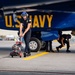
[
  {"x": 21, "y": 27},
  {"x": 27, "y": 29},
  {"x": 62, "y": 41}
]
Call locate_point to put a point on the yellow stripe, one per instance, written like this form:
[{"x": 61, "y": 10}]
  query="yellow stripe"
[
  {"x": 35, "y": 56},
  {"x": 40, "y": 54}
]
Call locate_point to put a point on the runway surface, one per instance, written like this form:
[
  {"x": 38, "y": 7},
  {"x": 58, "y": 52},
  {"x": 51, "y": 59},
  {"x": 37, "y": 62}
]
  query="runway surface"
[{"x": 46, "y": 63}]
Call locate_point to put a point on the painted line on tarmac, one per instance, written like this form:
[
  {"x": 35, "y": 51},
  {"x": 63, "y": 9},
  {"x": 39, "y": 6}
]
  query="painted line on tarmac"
[
  {"x": 39, "y": 54},
  {"x": 35, "y": 56}
]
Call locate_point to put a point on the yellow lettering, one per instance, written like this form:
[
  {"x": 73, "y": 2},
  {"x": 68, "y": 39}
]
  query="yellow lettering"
[
  {"x": 8, "y": 21},
  {"x": 49, "y": 20},
  {"x": 42, "y": 21},
  {"x": 35, "y": 22},
  {"x": 30, "y": 17},
  {"x": 18, "y": 22},
  {"x": 38, "y": 21}
]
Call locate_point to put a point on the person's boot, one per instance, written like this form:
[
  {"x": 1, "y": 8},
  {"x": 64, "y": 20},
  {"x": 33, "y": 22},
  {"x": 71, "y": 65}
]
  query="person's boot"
[
  {"x": 57, "y": 49},
  {"x": 28, "y": 54},
  {"x": 68, "y": 51},
  {"x": 24, "y": 54}
]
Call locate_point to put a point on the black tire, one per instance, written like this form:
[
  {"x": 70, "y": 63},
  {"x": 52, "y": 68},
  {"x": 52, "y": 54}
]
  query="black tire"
[
  {"x": 34, "y": 44},
  {"x": 12, "y": 56}
]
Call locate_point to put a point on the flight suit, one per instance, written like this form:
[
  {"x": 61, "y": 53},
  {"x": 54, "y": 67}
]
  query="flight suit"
[
  {"x": 27, "y": 36},
  {"x": 65, "y": 41}
]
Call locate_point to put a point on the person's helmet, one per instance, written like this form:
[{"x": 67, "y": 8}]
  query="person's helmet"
[{"x": 24, "y": 14}]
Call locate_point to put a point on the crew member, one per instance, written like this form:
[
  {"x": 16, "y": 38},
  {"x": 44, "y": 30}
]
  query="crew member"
[
  {"x": 64, "y": 39},
  {"x": 25, "y": 31}
]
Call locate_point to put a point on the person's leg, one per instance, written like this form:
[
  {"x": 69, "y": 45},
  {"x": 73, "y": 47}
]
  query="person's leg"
[
  {"x": 28, "y": 36},
  {"x": 25, "y": 46},
  {"x": 60, "y": 46},
  {"x": 68, "y": 45},
  {"x": 27, "y": 39}
]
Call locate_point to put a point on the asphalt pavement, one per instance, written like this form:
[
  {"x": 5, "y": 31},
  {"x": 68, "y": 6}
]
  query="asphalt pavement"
[{"x": 39, "y": 63}]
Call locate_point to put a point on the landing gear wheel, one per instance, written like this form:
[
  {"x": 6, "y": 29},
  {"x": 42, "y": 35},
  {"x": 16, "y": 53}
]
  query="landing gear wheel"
[
  {"x": 34, "y": 44},
  {"x": 12, "y": 56}
]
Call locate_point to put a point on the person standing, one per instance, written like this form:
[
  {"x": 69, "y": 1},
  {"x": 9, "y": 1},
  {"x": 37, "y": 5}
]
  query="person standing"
[{"x": 25, "y": 32}]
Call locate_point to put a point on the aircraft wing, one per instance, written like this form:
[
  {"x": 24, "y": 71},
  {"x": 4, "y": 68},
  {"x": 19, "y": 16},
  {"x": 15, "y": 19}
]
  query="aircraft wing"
[{"x": 11, "y": 4}]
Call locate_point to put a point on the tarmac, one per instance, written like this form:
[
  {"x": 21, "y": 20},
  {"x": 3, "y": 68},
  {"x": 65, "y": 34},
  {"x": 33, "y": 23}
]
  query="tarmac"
[{"x": 42, "y": 62}]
